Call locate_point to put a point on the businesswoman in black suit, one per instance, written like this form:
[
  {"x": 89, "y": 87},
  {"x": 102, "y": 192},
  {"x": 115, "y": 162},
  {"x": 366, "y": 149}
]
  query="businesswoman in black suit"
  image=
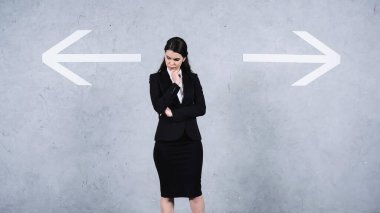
[{"x": 177, "y": 97}]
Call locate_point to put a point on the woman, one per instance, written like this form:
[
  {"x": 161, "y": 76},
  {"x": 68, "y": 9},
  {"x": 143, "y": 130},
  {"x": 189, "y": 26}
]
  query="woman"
[{"x": 177, "y": 96}]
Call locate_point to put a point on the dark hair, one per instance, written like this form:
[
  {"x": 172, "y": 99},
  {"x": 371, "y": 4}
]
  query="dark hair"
[{"x": 178, "y": 45}]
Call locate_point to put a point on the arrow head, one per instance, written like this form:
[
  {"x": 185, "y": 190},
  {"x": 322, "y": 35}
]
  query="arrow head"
[
  {"x": 333, "y": 59},
  {"x": 50, "y": 57}
]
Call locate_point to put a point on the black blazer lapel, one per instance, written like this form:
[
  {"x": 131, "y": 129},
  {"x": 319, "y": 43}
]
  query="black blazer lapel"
[
  {"x": 188, "y": 87},
  {"x": 165, "y": 80},
  {"x": 165, "y": 83}
]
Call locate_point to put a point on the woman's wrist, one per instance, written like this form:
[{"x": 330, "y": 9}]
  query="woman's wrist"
[{"x": 178, "y": 83}]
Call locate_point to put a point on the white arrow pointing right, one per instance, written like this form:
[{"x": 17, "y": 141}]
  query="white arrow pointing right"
[{"x": 330, "y": 58}]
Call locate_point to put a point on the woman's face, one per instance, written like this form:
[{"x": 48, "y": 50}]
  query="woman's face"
[{"x": 173, "y": 60}]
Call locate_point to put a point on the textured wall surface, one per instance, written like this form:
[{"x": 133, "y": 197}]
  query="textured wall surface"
[{"x": 269, "y": 147}]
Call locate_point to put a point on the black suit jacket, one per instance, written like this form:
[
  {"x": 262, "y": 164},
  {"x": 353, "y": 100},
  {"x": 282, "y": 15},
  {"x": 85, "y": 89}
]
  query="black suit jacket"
[{"x": 163, "y": 93}]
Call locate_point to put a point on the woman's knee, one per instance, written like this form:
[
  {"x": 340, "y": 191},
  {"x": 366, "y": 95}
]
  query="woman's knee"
[
  {"x": 168, "y": 199},
  {"x": 195, "y": 199}
]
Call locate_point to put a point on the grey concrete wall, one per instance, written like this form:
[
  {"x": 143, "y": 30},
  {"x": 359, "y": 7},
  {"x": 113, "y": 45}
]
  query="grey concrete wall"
[{"x": 269, "y": 147}]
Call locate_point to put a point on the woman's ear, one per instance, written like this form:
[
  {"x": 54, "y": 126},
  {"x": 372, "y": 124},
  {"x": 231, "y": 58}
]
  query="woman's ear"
[{"x": 184, "y": 59}]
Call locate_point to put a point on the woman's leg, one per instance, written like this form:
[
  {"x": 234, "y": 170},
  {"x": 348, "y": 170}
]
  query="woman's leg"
[
  {"x": 197, "y": 204},
  {"x": 167, "y": 205}
]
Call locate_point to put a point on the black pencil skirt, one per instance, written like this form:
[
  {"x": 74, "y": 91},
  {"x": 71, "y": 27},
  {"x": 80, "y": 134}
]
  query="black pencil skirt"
[{"x": 179, "y": 167}]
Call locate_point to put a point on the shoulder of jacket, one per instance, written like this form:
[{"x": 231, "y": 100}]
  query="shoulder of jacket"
[
  {"x": 154, "y": 74},
  {"x": 194, "y": 75},
  {"x": 153, "y": 77}
]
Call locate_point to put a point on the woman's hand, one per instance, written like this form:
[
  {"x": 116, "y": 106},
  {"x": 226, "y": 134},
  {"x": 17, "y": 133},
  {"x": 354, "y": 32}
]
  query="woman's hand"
[
  {"x": 168, "y": 112},
  {"x": 175, "y": 77}
]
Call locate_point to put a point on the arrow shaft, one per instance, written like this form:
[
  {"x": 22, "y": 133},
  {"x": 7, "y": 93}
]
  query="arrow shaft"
[
  {"x": 285, "y": 58},
  {"x": 96, "y": 57}
]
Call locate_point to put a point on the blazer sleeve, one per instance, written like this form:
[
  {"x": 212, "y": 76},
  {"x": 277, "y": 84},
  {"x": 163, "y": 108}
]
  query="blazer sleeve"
[
  {"x": 161, "y": 102},
  {"x": 197, "y": 109}
]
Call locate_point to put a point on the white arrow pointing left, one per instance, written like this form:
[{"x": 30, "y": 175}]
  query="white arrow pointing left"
[{"x": 52, "y": 57}]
